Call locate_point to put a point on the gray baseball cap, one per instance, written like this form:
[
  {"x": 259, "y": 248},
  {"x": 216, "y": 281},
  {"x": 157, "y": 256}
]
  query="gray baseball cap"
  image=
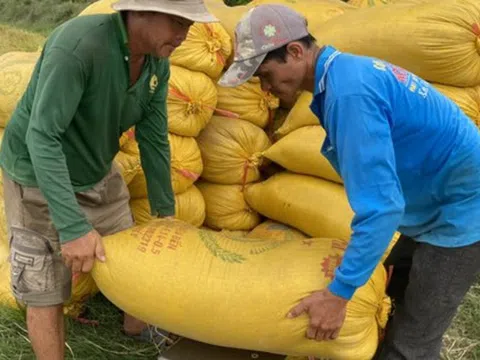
[{"x": 262, "y": 29}]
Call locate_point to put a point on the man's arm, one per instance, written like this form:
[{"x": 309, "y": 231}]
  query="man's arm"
[
  {"x": 360, "y": 131},
  {"x": 60, "y": 87},
  {"x": 360, "y": 128},
  {"x": 152, "y": 136}
]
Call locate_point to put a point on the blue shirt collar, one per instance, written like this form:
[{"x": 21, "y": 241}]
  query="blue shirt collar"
[{"x": 321, "y": 69}]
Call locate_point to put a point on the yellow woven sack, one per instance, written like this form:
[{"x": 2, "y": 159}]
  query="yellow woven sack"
[
  {"x": 186, "y": 167},
  {"x": 231, "y": 150},
  {"x": 275, "y": 231},
  {"x": 247, "y": 283},
  {"x": 468, "y": 99},
  {"x": 368, "y": 3},
  {"x": 226, "y": 207},
  {"x": 192, "y": 98},
  {"x": 189, "y": 207},
  {"x": 439, "y": 41},
  {"x": 316, "y": 11},
  {"x": 248, "y": 102},
  {"x": 128, "y": 165},
  {"x": 228, "y": 16},
  {"x": 15, "y": 71},
  {"x": 299, "y": 116},
  {"x": 206, "y": 49},
  {"x": 299, "y": 152},
  {"x": 99, "y": 7},
  {"x": 315, "y": 206}
]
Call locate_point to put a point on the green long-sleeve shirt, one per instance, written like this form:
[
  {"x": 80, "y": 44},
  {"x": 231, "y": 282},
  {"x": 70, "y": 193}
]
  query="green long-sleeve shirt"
[{"x": 63, "y": 135}]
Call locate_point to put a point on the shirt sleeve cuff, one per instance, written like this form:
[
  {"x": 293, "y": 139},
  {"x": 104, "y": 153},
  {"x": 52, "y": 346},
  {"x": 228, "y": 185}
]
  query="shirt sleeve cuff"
[
  {"x": 342, "y": 290},
  {"x": 164, "y": 211},
  {"x": 75, "y": 231}
]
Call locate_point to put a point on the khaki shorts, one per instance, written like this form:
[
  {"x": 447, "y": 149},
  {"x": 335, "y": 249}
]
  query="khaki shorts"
[{"x": 39, "y": 276}]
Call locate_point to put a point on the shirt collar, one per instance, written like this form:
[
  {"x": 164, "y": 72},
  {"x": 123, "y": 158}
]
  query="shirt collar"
[
  {"x": 323, "y": 63},
  {"x": 122, "y": 35}
]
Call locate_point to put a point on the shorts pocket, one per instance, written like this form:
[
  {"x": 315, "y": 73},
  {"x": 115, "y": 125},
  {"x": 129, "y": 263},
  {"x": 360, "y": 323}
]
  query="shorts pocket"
[{"x": 32, "y": 260}]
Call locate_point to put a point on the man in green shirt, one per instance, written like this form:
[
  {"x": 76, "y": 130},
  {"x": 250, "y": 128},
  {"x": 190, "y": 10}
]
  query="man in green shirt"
[{"x": 96, "y": 77}]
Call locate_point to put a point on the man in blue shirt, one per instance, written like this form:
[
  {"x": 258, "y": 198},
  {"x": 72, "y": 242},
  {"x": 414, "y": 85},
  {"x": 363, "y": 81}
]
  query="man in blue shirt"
[{"x": 409, "y": 159}]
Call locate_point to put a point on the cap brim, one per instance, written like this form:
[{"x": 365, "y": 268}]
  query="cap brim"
[
  {"x": 241, "y": 71},
  {"x": 197, "y": 13}
]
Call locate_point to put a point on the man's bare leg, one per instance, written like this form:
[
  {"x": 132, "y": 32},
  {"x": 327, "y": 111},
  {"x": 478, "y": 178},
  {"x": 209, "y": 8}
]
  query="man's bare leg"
[
  {"x": 133, "y": 326},
  {"x": 46, "y": 330}
]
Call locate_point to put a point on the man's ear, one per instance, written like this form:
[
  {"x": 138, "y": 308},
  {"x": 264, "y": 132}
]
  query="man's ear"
[{"x": 296, "y": 50}]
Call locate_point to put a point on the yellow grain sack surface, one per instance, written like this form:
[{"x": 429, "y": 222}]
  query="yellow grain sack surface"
[
  {"x": 226, "y": 207},
  {"x": 206, "y": 49},
  {"x": 299, "y": 116},
  {"x": 468, "y": 99},
  {"x": 275, "y": 231},
  {"x": 368, "y": 3},
  {"x": 228, "y": 16},
  {"x": 248, "y": 102},
  {"x": 198, "y": 270},
  {"x": 315, "y": 206},
  {"x": 15, "y": 71},
  {"x": 129, "y": 165},
  {"x": 99, "y": 7},
  {"x": 316, "y": 11},
  {"x": 438, "y": 41},
  {"x": 231, "y": 150},
  {"x": 186, "y": 167},
  {"x": 299, "y": 152},
  {"x": 189, "y": 207},
  {"x": 192, "y": 97}
]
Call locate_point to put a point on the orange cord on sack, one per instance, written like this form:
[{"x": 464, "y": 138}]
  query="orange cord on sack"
[{"x": 221, "y": 60}]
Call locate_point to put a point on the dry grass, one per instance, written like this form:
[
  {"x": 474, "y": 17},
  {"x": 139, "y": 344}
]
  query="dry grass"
[{"x": 13, "y": 39}]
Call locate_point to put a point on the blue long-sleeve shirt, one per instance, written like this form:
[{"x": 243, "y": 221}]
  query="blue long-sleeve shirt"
[{"x": 408, "y": 156}]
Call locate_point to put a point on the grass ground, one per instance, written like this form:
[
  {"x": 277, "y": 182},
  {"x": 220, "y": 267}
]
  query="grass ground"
[
  {"x": 84, "y": 342},
  {"x": 13, "y": 39}
]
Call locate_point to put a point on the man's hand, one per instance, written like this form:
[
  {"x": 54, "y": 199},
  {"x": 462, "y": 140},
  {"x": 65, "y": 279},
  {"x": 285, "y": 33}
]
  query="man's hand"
[
  {"x": 79, "y": 255},
  {"x": 327, "y": 313},
  {"x": 171, "y": 217}
]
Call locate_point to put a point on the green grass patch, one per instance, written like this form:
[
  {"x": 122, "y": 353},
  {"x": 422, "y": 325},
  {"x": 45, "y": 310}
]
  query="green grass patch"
[
  {"x": 462, "y": 342},
  {"x": 84, "y": 342},
  {"x": 41, "y": 16},
  {"x": 13, "y": 39}
]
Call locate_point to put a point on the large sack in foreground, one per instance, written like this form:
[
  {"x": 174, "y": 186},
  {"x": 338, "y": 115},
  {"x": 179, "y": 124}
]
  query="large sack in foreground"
[
  {"x": 232, "y": 151},
  {"x": 189, "y": 207},
  {"x": 275, "y": 231},
  {"x": 300, "y": 153},
  {"x": 247, "y": 283},
  {"x": 226, "y": 208},
  {"x": 192, "y": 97},
  {"x": 438, "y": 41},
  {"x": 15, "y": 71}
]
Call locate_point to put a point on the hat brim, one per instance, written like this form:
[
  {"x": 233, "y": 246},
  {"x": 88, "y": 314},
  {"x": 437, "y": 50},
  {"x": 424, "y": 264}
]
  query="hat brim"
[
  {"x": 196, "y": 13},
  {"x": 241, "y": 71}
]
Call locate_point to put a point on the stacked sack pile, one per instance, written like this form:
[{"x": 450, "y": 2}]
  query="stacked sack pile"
[{"x": 234, "y": 143}]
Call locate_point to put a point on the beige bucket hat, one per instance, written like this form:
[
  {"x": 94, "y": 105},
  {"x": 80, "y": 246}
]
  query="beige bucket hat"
[{"x": 194, "y": 10}]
